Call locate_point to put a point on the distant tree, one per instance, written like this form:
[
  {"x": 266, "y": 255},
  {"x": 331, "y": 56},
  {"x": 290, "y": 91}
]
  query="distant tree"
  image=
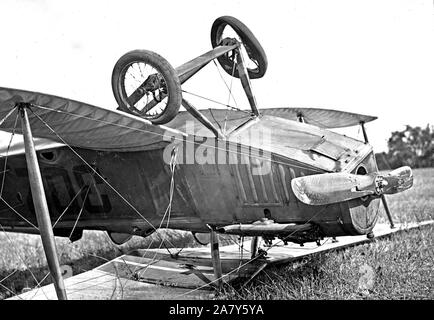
[{"x": 413, "y": 146}]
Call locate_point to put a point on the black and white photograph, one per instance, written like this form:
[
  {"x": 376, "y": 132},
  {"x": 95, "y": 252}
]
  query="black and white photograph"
[{"x": 226, "y": 152}]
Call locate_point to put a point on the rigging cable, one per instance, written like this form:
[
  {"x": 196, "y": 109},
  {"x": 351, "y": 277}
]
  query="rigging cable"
[
  {"x": 162, "y": 135},
  {"x": 250, "y": 260}
]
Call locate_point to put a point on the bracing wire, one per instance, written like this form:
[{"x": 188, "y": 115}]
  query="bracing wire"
[
  {"x": 7, "y": 153},
  {"x": 168, "y": 210},
  {"x": 247, "y": 262},
  {"x": 227, "y": 105},
  {"x": 5, "y": 170},
  {"x": 259, "y": 157},
  {"x": 93, "y": 170},
  {"x": 169, "y": 207},
  {"x": 224, "y": 81},
  {"x": 10, "y": 207},
  {"x": 230, "y": 93},
  {"x": 38, "y": 283},
  {"x": 68, "y": 206},
  {"x": 20, "y": 257},
  {"x": 81, "y": 211}
]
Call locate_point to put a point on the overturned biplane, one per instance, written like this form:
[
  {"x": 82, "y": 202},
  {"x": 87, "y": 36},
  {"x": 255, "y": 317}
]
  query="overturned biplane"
[{"x": 265, "y": 173}]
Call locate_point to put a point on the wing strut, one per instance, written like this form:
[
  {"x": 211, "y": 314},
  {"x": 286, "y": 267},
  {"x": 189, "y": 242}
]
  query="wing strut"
[
  {"x": 215, "y": 255},
  {"x": 40, "y": 204}
]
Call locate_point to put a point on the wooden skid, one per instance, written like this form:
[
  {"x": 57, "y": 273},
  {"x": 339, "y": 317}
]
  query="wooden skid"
[{"x": 154, "y": 274}]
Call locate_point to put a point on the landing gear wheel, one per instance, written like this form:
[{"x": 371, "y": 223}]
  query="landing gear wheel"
[
  {"x": 221, "y": 30},
  {"x": 146, "y": 85}
]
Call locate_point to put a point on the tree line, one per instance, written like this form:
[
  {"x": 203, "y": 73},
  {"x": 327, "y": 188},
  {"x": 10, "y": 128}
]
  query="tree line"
[{"x": 412, "y": 147}]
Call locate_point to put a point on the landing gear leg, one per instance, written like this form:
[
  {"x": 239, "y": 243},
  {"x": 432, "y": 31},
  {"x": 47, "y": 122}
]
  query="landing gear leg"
[{"x": 215, "y": 255}]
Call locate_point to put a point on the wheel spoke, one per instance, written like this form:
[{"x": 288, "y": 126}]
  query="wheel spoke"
[
  {"x": 141, "y": 80},
  {"x": 226, "y": 29}
]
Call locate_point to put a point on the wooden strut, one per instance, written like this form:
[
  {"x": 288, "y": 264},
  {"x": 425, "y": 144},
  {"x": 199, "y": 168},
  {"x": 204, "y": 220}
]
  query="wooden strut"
[
  {"x": 383, "y": 197},
  {"x": 187, "y": 70},
  {"x": 190, "y": 68},
  {"x": 40, "y": 204},
  {"x": 254, "y": 247},
  {"x": 365, "y": 136},
  {"x": 201, "y": 118},
  {"x": 215, "y": 255},
  {"x": 245, "y": 81}
]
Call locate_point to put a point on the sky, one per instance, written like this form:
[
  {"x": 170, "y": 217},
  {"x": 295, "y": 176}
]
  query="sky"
[{"x": 369, "y": 57}]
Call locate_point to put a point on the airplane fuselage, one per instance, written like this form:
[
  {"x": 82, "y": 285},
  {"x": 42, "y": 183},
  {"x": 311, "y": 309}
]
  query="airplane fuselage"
[{"x": 129, "y": 192}]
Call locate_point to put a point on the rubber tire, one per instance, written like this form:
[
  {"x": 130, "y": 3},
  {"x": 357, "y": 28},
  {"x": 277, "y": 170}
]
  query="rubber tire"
[
  {"x": 164, "y": 68},
  {"x": 249, "y": 40}
]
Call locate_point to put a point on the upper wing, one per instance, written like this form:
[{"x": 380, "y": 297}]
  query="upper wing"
[
  {"x": 324, "y": 118},
  {"x": 83, "y": 125},
  {"x": 80, "y": 124}
]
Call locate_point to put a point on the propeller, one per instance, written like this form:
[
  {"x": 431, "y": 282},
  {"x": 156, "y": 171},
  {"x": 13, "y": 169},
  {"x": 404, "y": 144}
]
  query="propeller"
[{"x": 327, "y": 188}]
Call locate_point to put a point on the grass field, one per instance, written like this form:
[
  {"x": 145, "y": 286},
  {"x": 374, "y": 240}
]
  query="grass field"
[{"x": 402, "y": 265}]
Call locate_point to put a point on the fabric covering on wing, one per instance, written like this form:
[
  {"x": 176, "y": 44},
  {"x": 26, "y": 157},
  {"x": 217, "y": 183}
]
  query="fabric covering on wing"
[
  {"x": 323, "y": 118},
  {"x": 80, "y": 124}
]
